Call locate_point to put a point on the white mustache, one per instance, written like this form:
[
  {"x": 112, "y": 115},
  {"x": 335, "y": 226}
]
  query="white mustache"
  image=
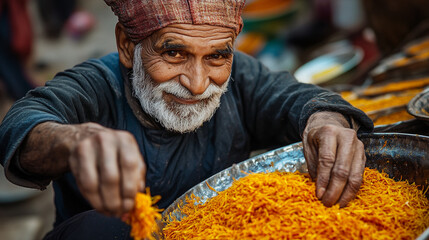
[{"x": 180, "y": 91}]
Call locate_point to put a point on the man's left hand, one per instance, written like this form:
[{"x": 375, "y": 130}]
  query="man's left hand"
[{"x": 335, "y": 157}]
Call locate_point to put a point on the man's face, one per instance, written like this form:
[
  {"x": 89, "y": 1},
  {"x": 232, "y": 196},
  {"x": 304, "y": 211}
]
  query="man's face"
[{"x": 180, "y": 73}]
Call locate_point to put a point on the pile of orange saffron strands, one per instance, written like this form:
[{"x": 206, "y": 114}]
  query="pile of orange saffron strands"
[
  {"x": 144, "y": 215},
  {"x": 382, "y": 102},
  {"x": 397, "y": 86},
  {"x": 394, "y": 117},
  {"x": 284, "y": 206}
]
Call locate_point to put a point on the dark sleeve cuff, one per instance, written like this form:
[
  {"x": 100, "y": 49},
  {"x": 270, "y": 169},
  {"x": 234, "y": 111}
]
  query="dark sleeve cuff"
[
  {"x": 16, "y": 174},
  {"x": 333, "y": 102},
  {"x": 14, "y": 134}
]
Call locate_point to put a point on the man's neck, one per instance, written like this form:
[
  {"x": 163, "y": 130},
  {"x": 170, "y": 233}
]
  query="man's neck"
[{"x": 144, "y": 118}]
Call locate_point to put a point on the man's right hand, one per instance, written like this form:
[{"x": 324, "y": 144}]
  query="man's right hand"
[
  {"x": 106, "y": 163},
  {"x": 108, "y": 168}
]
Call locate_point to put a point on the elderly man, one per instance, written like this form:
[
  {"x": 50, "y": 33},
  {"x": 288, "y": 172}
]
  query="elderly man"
[{"x": 174, "y": 106}]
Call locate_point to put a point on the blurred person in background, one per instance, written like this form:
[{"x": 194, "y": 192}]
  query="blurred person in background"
[
  {"x": 16, "y": 44},
  {"x": 54, "y": 15},
  {"x": 175, "y": 105},
  {"x": 59, "y": 16},
  {"x": 17, "y": 38}
]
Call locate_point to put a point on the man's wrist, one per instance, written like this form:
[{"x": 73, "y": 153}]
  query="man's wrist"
[
  {"x": 51, "y": 159},
  {"x": 327, "y": 117},
  {"x": 319, "y": 119}
]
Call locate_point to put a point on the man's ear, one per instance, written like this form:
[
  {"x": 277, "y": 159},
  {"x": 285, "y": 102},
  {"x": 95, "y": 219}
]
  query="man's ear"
[{"x": 125, "y": 46}]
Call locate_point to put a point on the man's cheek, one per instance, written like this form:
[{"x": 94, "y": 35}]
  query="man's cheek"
[
  {"x": 160, "y": 73},
  {"x": 220, "y": 76}
]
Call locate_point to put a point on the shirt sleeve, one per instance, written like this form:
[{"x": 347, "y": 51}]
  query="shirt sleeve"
[
  {"x": 276, "y": 106},
  {"x": 81, "y": 94}
]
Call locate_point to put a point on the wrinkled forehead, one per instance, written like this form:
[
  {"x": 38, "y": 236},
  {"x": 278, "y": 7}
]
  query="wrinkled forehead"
[
  {"x": 198, "y": 38},
  {"x": 195, "y": 32}
]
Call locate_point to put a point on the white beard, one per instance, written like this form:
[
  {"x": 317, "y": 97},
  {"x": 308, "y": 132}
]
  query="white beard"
[{"x": 172, "y": 115}]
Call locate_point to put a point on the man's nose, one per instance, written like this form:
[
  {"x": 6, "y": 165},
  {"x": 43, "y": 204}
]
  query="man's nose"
[{"x": 196, "y": 78}]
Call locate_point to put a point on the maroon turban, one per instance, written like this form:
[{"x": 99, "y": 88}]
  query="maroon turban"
[{"x": 143, "y": 17}]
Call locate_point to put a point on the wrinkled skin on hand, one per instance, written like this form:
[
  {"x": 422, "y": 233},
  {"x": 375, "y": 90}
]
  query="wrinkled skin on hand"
[
  {"x": 106, "y": 163},
  {"x": 335, "y": 157},
  {"x": 108, "y": 168}
]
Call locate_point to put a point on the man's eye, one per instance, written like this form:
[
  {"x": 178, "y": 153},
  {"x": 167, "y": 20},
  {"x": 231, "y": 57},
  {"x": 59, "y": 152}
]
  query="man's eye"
[
  {"x": 216, "y": 56},
  {"x": 174, "y": 54}
]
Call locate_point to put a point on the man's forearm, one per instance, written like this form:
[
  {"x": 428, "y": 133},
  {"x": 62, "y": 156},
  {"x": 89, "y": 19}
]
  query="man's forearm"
[{"x": 46, "y": 149}]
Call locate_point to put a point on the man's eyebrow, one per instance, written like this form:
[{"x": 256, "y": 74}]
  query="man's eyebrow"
[
  {"x": 227, "y": 50},
  {"x": 168, "y": 45}
]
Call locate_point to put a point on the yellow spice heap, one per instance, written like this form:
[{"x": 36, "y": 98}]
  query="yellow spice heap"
[
  {"x": 401, "y": 115},
  {"x": 382, "y": 102},
  {"x": 396, "y": 86},
  {"x": 371, "y": 105},
  {"x": 284, "y": 206},
  {"x": 143, "y": 216}
]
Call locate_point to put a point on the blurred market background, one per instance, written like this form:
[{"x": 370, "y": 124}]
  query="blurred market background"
[{"x": 373, "y": 52}]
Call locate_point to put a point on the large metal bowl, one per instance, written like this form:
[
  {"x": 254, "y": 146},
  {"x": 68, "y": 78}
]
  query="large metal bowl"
[{"x": 402, "y": 156}]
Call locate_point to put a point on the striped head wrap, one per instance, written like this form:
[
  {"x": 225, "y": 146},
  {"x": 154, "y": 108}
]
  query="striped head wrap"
[{"x": 143, "y": 17}]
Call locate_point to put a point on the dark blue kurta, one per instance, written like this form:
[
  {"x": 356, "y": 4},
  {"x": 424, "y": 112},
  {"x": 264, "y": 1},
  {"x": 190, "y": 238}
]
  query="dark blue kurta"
[{"x": 261, "y": 109}]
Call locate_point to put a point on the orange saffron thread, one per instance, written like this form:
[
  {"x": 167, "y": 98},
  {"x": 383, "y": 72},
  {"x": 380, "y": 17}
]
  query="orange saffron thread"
[
  {"x": 210, "y": 187},
  {"x": 384, "y": 145}
]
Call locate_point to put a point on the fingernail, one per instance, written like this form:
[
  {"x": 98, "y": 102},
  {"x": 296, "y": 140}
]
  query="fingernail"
[
  {"x": 320, "y": 192},
  {"x": 343, "y": 204}
]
